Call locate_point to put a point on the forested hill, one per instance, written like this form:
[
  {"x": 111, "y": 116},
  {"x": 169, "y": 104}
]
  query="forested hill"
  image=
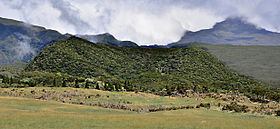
[{"x": 145, "y": 68}]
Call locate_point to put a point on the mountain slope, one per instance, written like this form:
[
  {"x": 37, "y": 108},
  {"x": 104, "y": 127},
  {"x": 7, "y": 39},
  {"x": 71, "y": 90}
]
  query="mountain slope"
[
  {"x": 146, "y": 68},
  {"x": 235, "y": 31},
  {"x": 108, "y": 38},
  {"x": 20, "y": 42},
  {"x": 261, "y": 62}
]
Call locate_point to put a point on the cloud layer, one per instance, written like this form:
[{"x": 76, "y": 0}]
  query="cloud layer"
[{"x": 142, "y": 21}]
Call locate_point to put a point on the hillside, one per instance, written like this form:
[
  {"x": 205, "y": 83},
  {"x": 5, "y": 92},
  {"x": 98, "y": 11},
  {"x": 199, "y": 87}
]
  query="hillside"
[
  {"x": 20, "y": 42},
  {"x": 261, "y": 62},
  {"x": 235, "y": 31},
  {"x": 147, "y": 69}
]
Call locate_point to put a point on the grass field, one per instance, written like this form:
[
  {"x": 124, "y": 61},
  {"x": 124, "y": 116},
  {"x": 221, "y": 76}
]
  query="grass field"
[
  {"x": 140, "y": 102},
  {"x": 27, "y": 113}
]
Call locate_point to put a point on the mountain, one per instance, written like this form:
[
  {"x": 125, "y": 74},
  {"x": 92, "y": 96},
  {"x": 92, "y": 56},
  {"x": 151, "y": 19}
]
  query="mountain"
[
  {"x": 20, "y": 42},
  {"x": 148, "y": 69},
  {"x": 235, "y": 31},
  {"x": 108, "y": 38}
]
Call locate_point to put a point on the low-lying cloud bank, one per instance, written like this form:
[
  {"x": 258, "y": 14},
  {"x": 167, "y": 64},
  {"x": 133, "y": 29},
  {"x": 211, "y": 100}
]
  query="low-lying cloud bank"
[{"x": 142, "y": 21}]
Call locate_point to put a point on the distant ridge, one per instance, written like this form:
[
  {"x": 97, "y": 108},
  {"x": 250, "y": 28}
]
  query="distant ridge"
[
  {"x": 20, "y": 42},
  {"x": 235, "y": 31},
  {"x": 109, "y": 39}
]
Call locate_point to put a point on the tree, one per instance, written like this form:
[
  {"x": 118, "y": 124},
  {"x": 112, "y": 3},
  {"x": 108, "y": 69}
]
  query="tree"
[
  {"x": 125, "y": 84},
  {"x": 97, "y": 86},
  {"x": 6, "y": 80},
  {"x": 32, "y": 83},
  {"x": 114, "y": 88},
  {"x": 64, "y": 83},
  {"x": 128, "y": 86},
  {"x": 205, "y": 89},
  {"x": 123, "y": 89},
  {"x": 278, "y": 113},
  {"x": 11, "y": 81},
  {"x": 77, "y": 83},
  {"x": 87, "y": 84},
  {"x": 54, "y": 82},
  {"x": 195, "y": 89}
]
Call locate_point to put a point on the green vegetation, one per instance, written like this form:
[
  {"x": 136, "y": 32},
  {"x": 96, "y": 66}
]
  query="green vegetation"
[
  {"x": 28, "y": 113},
  {"x": 260, "y": 62},
  {"x": 235, "y": 107}
]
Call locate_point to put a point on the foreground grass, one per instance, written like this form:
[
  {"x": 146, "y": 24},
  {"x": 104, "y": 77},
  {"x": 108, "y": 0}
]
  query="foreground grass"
[{"x": 29, "y": 113}]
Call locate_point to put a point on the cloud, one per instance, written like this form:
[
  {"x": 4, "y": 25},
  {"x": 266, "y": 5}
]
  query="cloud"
[
  {"x": 23, "y": 47},
  {"x": 71, "y": 15},
  {"x": 141, "y": 21}
]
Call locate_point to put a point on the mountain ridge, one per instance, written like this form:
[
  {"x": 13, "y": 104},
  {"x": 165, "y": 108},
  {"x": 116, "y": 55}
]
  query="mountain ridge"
[
  {"x": 107, "y": 38},
  {"x": 235, "y": 31},
  {"x": 21, "y": 42}
]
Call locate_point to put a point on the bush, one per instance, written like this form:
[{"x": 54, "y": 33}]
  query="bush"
[
  {"x": 205, "y": 105},
  {"x": 235, "y": 107},
  {"x": 278, "y": 113},
  {"x": 25, "y": 80},
  {"x": 268, "y": 113},
  {"x": 6, "y": 80}
]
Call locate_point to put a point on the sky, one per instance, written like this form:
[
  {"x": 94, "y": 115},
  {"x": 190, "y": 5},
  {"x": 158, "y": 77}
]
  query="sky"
[{"x": 145, "y": 22}]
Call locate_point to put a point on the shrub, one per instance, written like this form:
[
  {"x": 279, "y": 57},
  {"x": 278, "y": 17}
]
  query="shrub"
[
  {"x": 25, "y": 80},
  {"x": 278, "y": 113},
  {"x": 205, "y": 105},
  {"x": 235, "y": 107},
  {"x": 6, "y": 80}
]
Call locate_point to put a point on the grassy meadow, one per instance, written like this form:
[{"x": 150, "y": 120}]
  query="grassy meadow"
[
  {"x": 139, "y": 102},
  {"x": 28, "y": 113}
]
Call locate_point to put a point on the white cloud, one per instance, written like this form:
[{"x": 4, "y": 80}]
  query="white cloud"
[{"x": 141, "y": 21}]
